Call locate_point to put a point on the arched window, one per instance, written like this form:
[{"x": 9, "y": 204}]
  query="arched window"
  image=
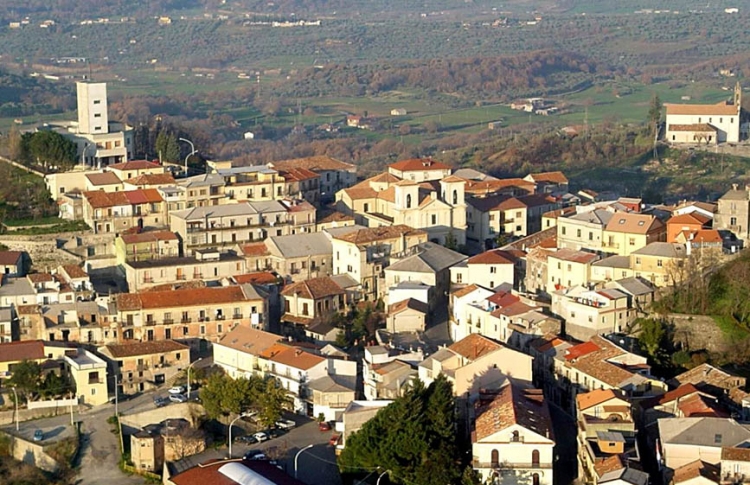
[
  {"x": 495, "y": 460},
  {"x": 535, "y": 479},
  {"x": 455, "y": 197},
  {"x": 515, "y": 437},
  {"x": 408, "y": 201},
  {"x": 535, "y": 459}
]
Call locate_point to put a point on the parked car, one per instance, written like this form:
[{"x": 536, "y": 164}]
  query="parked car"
[
  {"x": 177, "y": 398},
  {"x": 177, "y": 390},
  {"x": 276, "y": 432},
  {"x": 38, "y": 435},
  {"x": 160, "y": 401},
  {"x": 247, "y": 439},
  {"x": 255, "y": 455},
  {"x": 285, "y": 424},
  {"x": 324, "y": 426},
  {"x": 334, "y": 440},
  {"x": 260, "y": 436}
]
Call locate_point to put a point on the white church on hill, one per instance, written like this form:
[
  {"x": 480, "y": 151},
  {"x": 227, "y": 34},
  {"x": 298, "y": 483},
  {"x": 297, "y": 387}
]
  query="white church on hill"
[{"x": 708, "y": 124}]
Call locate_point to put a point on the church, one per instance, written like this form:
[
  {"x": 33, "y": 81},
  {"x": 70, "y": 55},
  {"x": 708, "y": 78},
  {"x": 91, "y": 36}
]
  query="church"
[{"x": 708, "y": 124}]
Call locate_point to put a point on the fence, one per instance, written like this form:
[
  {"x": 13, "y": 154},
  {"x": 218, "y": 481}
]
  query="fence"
[{"x": 53, "y": 403}]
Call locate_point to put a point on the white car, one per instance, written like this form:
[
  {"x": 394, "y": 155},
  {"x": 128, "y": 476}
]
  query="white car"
[
  {"x": 177, "y": 398},
  {"x": 177, "y": 390},
  {"x": 260, "y": 436},
  {"x": 285, "y": 424}
]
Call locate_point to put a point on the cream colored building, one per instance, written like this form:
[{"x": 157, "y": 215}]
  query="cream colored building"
[
  {"x": 567, "y": 268},
  {"x": 489, "y": 217},
  {"x": 437, "y": 207},
  {"x": 705, "y": 123},
  {"x": 592, "y": 312},
  {"x": 313, "y": 300},
  {"x": 419, "y": 170},
  {"x": 140, "y": 366},
  {"x": 489, "y": 269},
  {"x": 364, "y": 253},
  {"x": 512, "y": 437},
  {"x": 474, "y": 363},
  {"x": 585, "y": 229},
  {"x": 334, "y": 174},
  {"x": 89, "y": 373},
  {"x": 627, "y": 232}
]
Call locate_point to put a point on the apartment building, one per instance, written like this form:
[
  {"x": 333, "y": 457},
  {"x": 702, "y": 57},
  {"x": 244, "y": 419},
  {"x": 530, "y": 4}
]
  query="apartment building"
[
  {"x": 311, "y": 301},
  {"x": 592, "y": 312},
  {"x": 627, "y": 232},
  {"x": 489, "y": 269},
  {"x": 146, "y": 246},
  {"x": 334, "y": 175},
  {"x": 298, "y": 257},
  {"x": 193, "y": 315},
  {"x": 118, "y": 212},
  {"x": 230, "y": 224},
  {"x": 419, "y": 170},
  {"x": 733, "y": 213},
  {"x": 205, "y": 264},
  {"x": 583, "y": 230},
  {"x": 489, "y": 217},
  {"x": 104, "y": 181},
  {"x": 12, "y": 264},
  {"x": 364, "y": 253},
  {"x": 567, "y": 268},
  {"x": 140, "y": 366},
  {"x": 89, "y": 372}
]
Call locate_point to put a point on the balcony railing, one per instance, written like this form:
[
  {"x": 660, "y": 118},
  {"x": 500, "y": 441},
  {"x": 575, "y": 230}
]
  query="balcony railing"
[
  {"x": 186, "y": 320},
  {"x": 237, "y": 316},
  {"x": 168, "y": 321},
  {"x": 150, "y": 322},
  {"x": 220, "y": 317}
]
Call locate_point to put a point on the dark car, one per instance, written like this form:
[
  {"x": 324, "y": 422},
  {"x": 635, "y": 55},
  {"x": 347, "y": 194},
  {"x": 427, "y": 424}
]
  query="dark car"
[
  {"x": 275, "y": 432},
  {"x": 247, "y": 439},
  {"x": 255, "y": 455},
  {"x": 38, "y": 435},
  {"x": 160, "y": 401}
]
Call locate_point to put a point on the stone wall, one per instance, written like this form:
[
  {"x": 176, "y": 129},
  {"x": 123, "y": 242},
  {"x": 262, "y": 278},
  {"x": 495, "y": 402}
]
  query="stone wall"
[
  {"x": 697, "y": 332},
  {"x": 189, "y": 411},
  {"x": 42, "y": 249}
]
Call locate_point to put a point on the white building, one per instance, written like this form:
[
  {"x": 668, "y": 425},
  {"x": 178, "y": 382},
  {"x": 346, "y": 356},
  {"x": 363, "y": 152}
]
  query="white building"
[{"x": 705, "y": 123}]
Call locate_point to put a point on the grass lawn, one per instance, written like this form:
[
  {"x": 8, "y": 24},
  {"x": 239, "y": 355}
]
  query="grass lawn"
[
  {"x": 732, "y": 330},
  {"x": 42, "y": 221}
]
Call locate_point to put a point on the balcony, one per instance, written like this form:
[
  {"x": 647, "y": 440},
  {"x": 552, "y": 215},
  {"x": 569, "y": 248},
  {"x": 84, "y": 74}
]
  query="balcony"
[
  {"x": 168, "y": 321},
  {"x": 148, "y": 279},
  {"x": 186, "y": 320},
  {"x": 150, "y": 322},
  {"x": 181, "y": 277},
  {"x": 220, "y": 317},
  {"x": 237, "y": 316}
]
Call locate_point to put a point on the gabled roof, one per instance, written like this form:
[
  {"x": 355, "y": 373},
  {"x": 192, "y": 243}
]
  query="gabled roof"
[
  {"x": 23, "y": 350},
  {"x": 429, "y": 257},
  {"x": 594, "y": 398},
  {"x": 465, "y": 291},
  {"x": 514, "y": 406},
  {"x": 548, "y": 177},
  {"x": 474, "y": 346},
  {"x": 707, "y": 374},
  {"x": 493, "y": 256},
  {"x": 179, "y": 298},
  {"x": 374, "y": 234},
  {"x": 314, "y": 288},
  {"x": 690, "y": 218},
  {"x": 293, "y": 357},
  {"x": 249, "y": 340},
  {"x": 150, "y": 236},
  {"x": 574, "y": 256},
  {"x": 144, "y": 348},
  {"x": 261, "y": 278},
  {"x": 696, "y": 469},
  {"x": 105, "y": 178},
  {"x": 719, "y": 109},
  {"x": 74, "y": 271},
  {"x": 151, "y": 179},
  {"x": 633, "y": 223},
  {"x": 10, "y": 258},
  {"x": 662, "y": 249},
  {"x": 298, "y": 174},
  {"x": 408, "y": 304},
  {"x": 418, "y": 165},
  {"x": 99, "y": 200}
]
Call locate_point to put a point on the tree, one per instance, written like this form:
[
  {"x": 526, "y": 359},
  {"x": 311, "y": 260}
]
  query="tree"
[
  {"x": 413, "y": 438},
  {"x": 654, "y": 113},
  {"x": 272, "y": 402},
  {"x": 653, "y": 338},
  {"x": 48, "y": 148},
  {"x": 26, "y": 378},
  {"x": 167, "y": 147}
]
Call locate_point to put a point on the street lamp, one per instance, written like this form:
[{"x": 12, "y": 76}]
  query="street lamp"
[
  {"x": 242, "y": 415},
  {"x": 16, "y": 401},
  {"x": 83, "y": 154},
  {"x": 192, "y": 147},
  {"x": 188, "y": 376},
  {"x": 381, "y": 476},
  {"x": 297, "y": 456}
]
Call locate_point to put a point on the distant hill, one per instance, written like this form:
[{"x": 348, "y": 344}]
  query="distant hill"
[{"x": 25, "y": 95}]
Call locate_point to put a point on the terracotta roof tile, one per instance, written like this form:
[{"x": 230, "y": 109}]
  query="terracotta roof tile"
[
  {"x": 10, "y": 258},
  {"x": 609, "y": 464},
  {"x": 722, "y": 108},
  {"x": 374, "y": 234},
  {"x": 475, "y": 346},
  {"x": 680, "y": 392},
  {"x": 151, "y": 179},
  {"x": 487, "y": 187},
  {"x": 119, "y": 351},
  {"x": 465, "y": 291},
  {"x": 553, "y": 177},
  {"x": 314, "y": 288},
  {"x": 735, "y": 454},
  {"x": 256, "y": 278},
  {"x": 493, "y": 256},
  {"x": 105, "y": 178},
  {"x": 254, "y": 249},
  {"x": 298, "y": 174},
  {"x": 179, "y": 298},
  {"x": 594, "y": 398},
  {"x": 249, "y": 340},
  {"x": 696, "y": 469},
  {"x": 40, "y": 277},
  {"x": 409, "y": 303},
  {"x": 150, "y": 236},
  {"x": 327, "y": 217},
  {"x": 690, "y": 218},
  {"x": 633, "y": 223},
  {"x": 17, "y": 351},
  {"x": 291, "y": 356},
  {"x": 358, "y": 193},
  {"x": 143, "y": 196},
  {"x": 98, "y": 199},
  {"x": 574, "y": 256},
  {"x": 74, "y": 271},
  {"x": 511, "y": 406},
  {"x": 418, "y": 165},
  {"x": 700, "y": 406}
]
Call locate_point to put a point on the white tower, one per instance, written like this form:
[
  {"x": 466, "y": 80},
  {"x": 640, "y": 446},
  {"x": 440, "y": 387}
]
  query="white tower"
[{"x": 92, "y": 108}]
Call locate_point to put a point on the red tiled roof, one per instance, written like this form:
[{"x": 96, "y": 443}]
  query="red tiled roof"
[
  {"x": 580, "y": 350},
  {"x": 314, "y": 288},
  {"x": 493, "y": 256},
  {"x": 593, "y": 398},
  {"x": 143, "y": 196},
  {"x": 700, "y": 406},
  {"x": 40, "y": 277},
  {"x": 574, "y": 256},
  {"x": 179, "y": 298},
  {"x": 291, "y": 356},
  {"x": 10, "y": 258},
  {"x": 75, "y": 271},
  {"x": 254, "y": 249},
  {"x": 18, "y": 351},
  {"x": 513, "y": 406},
  {"x": 256, "y": 278},
  {"x": 99, "y": 200},
  {"x": 696, "y": 469},
  {"x": 105, "y": 178},
  {"x": 373, "y": 234},
  {"x": 475, "y": 346},
  {"x": 151, "y": 236},
  {"x": 465, "y": 291},
  {"x": 690, "y": 218},
  {"x": 298, "y": 174},
  {"x": 722, "y": 108},
  {"x": 409, "y": 303},
  {"x": 119, "y": 351},
  {"x": 316, "y": 164},
  {"x": 418, "y": 165},
  {"x": 503, "y": 298},
  {"x": 549, "y": 177},
  {"x": 151, "y": 179}
]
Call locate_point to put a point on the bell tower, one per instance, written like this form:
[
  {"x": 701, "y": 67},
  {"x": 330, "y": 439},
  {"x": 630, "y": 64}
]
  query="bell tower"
[{"x": 738, "y": 95}]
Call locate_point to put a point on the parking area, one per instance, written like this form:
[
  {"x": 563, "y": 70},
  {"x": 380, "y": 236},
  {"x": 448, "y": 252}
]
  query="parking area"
[{"x": 35, "y": 431}]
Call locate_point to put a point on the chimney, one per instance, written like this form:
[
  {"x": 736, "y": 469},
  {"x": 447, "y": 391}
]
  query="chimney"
[{"x": 297, "y": 352}]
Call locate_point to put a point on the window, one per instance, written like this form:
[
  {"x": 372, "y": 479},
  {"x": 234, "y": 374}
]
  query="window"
[
  {"x": 493, "y": 269},
  {"x": 591, "y": 236},
  {"x": 408, "y": 201},
  {"x": 578, "y": 233},
  {"x": 305, "y": 309},
  {"x": 631, "y": 241},
  {"x": 563, "y": 231},
  {"x": 434, "y": 219},
  {"x": 659, "y": 263},
  {"x": 97, "y": 115},
  {"x": 455, "y": 197},
  {"x": 495, "y": 459},
  {"x": 535, "y": 459},
  {"x": 203, "y": 329},
  {"x": 459, "y": 278},
  {"x": 367, "y": 208},
  {"x": 515, "y": 437},
  {"x": 732, "y": 221},
  {"x": 637, "y": 261},
  {"x": 717, "y": 439},
  {"x": 97, "y": 101},
  {"x": 219, "y": 328}
]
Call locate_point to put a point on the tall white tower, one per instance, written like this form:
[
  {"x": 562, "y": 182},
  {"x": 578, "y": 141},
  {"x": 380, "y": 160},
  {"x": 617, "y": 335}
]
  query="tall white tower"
[{"x": 92, "y": 108}]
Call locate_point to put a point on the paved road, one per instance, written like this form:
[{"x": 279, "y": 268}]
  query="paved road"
[{"x": 316, "y": 466}]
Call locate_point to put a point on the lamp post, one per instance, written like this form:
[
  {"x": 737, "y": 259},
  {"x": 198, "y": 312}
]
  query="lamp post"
[
  {"x": 193, "y": 151},
  {"x": 242, "y": 415},
  {"x": 188, "y": 376},
  {"x": 297, "y": 456},
  {"x": 15, "y": 394},
  {"x": 83, "y": 154},
  {"x": 381, "y": 476}
]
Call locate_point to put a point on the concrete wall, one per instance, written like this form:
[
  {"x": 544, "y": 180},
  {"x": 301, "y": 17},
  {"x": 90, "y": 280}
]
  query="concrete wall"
[
  {"x": 188, "y": 411},
  {"x": 32, "y": 454},
  {"x": 8, "y": 417}
]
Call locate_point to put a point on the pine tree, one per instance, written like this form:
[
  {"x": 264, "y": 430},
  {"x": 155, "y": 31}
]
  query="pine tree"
[{"x": 172, "y": 151}]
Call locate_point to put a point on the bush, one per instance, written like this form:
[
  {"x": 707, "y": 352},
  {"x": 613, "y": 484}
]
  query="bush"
[{"x": 681, "y": 358}]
